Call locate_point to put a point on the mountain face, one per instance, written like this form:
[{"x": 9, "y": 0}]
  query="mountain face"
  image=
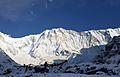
[{"x": 57, "y": 44}]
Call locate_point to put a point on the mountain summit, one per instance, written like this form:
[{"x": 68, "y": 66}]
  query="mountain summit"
[{"x": 55, "y": 44}]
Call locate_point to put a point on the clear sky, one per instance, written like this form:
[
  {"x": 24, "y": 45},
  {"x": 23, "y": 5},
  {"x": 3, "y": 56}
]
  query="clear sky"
[{"x": 23, "y": 17}]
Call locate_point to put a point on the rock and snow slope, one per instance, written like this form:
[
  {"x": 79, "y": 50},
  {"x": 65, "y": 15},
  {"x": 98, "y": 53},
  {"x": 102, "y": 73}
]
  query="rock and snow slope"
[{"x": 55, "y": 44}]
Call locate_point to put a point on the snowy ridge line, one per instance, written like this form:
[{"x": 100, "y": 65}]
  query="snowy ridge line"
[{"x": 7, "y": 35}]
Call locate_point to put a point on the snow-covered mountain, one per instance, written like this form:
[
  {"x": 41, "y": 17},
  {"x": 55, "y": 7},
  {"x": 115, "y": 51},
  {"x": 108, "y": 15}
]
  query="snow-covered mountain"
[
  {"x": 56, "y": 44},
  {"x": 94, "y": 52}
]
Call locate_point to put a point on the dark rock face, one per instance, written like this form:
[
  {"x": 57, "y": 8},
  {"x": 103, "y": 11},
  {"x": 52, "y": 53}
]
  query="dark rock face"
[
  {"x": 111, "y": 52},
  {"x": 114, "y": 45}
]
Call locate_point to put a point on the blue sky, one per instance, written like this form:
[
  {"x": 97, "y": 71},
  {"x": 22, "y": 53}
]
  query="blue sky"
[{"x": 23, "y": 17}]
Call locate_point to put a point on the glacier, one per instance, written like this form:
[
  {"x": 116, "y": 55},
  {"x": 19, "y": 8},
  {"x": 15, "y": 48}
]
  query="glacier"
[{"x": 56, "y": 44}]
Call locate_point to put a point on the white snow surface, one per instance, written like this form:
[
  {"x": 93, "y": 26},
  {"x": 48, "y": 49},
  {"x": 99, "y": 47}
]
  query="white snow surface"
[{"x": 55, "y": 44}]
